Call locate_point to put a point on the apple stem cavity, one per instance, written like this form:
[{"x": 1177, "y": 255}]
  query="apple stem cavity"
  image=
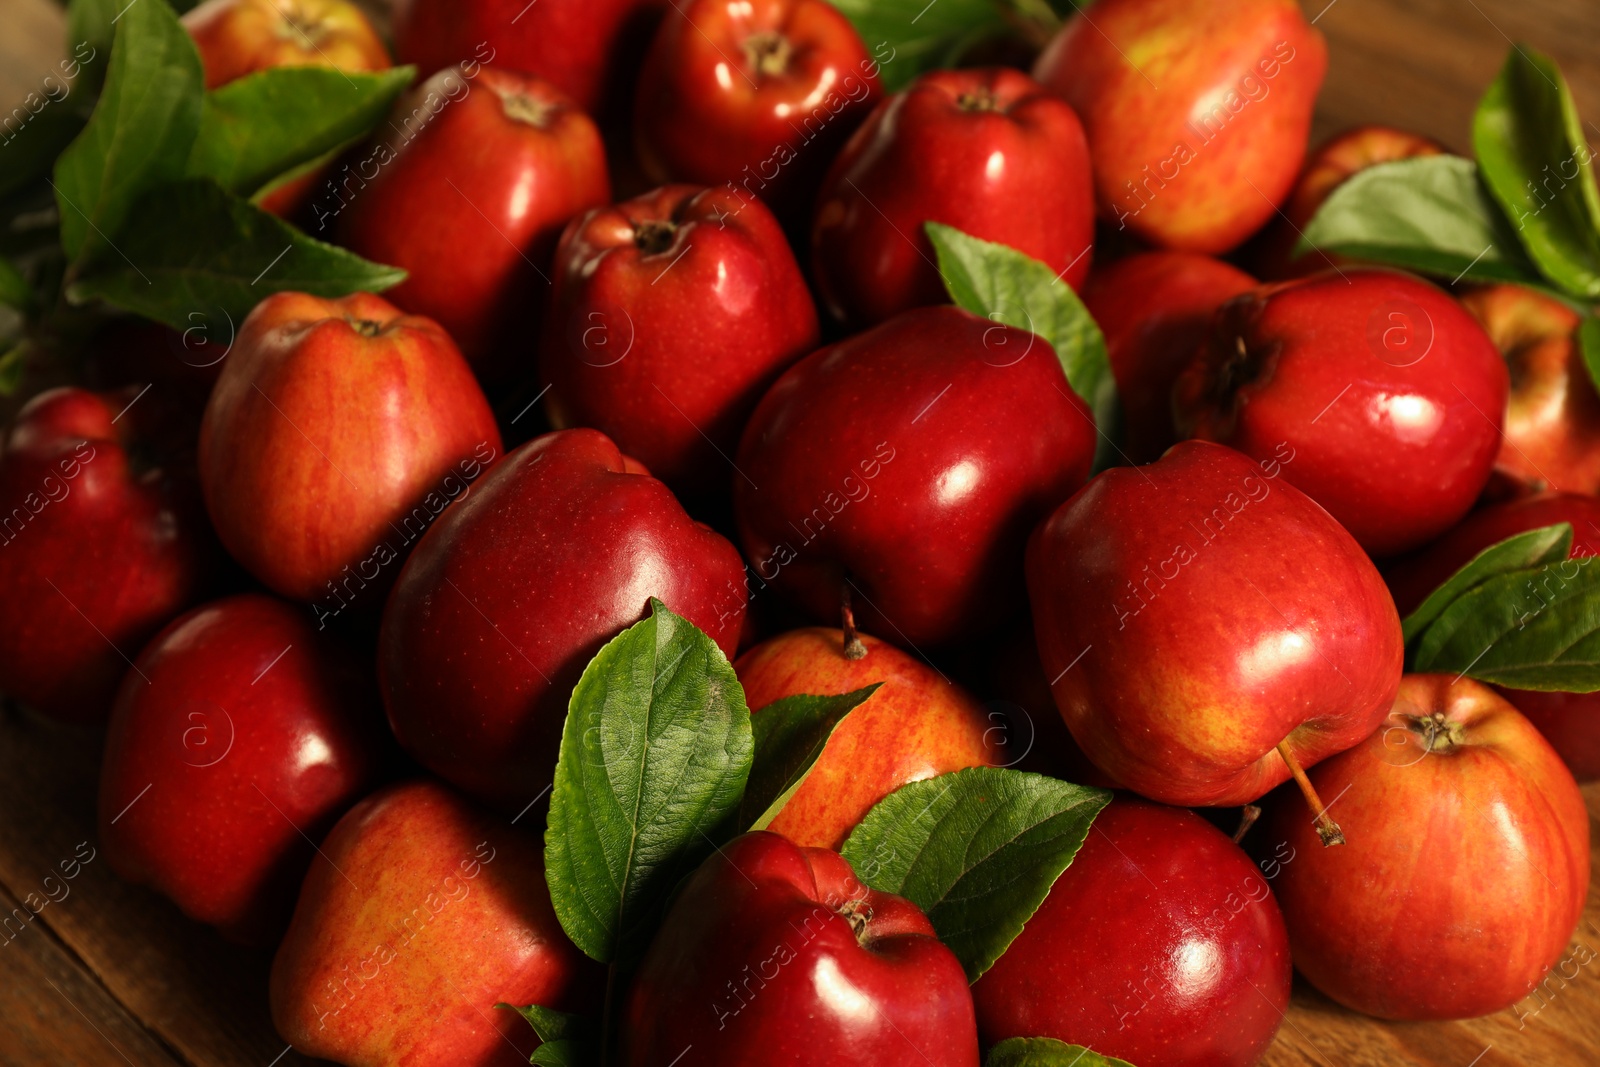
[
  {"x": 1247, "y": 818},
  {"x": 1327, "y": 829},
  {"x": 524, "y": 107},
  {"x": 654, "y": 236},
  {"x": 1438, "y": 733},
  {"x": 768, "y": 53},
  {"x": 854, "y": 649}
]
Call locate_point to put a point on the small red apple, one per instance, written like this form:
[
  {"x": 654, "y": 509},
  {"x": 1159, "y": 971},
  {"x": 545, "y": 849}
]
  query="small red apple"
[
  {"x": 757, "y": 94},
  {"x": 1467, "y": 864},
  {"x": 103, "y": 539},
  {"x": 987, "y": 151},
  {"x": 337, "y": 432},
  {"x": 918, "y": 725},
  {"x": 1161, "y": 945},
  {"x": 1154, "y": 309},
  {"x": 772, "y": 953},
  {"x": 239, "y": 736},
  {"x": 516, "y": 587},
  {"x": 673, "y": 313},
  {"x": 1197, "y": 112},
  {"x": 472, "y": 204},
  {"x": 1389, "y": 395},
  {"x": 1202, "y": 621},
  {"x": 901, "y": 438},
  {"x": 421, "y": 915},
  {"x": 1552, "y": 426}
]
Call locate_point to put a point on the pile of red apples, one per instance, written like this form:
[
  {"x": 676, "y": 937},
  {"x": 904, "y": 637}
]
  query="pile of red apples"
[{"x": 673, "y": 328}]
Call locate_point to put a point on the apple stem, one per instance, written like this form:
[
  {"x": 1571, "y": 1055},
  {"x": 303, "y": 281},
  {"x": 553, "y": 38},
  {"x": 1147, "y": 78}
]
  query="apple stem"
[
  {"x": 1327, "y": 829},
  {"x": 1247, "y": 819},
  {"x": 853, "y": 646}
]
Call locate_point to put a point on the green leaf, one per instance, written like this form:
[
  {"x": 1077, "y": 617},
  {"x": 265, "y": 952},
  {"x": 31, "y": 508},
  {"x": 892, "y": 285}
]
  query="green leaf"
[
  {"x": 654, "y": 758},
  {"x": 1548, "y": 544},
  {"x": 1535, "y": 160},
  {"x": 1527, "y": 629},
  {"x": 30, "y": 150},
  {"x": 789, "y": 736},
  {"x": 91, "y": 27},
  {"x": 1046, "y": 1052},
  {"x": 15, "y": 292},
  {"x": 566, "y": 1054},
  {"x": 565, "y": 1040},
  {"x": 191, "y": 248},
  {"x": 907, "y": 37},
  {"x": 259, "y": 126},
  {"x": 1429, "y": 214},
  {"x": 1007, "y": 286},
  {"x": 139, "y": 135},
  {"x": 977, "y": 850},
  {"x": 1589, "y": 347}
]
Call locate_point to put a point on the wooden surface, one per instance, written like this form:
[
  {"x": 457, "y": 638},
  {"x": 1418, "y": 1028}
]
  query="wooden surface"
[{"x": 114, "y": 975}]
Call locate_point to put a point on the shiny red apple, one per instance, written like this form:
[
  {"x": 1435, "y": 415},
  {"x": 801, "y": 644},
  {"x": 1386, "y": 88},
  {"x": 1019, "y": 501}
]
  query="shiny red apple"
[
  {"x": 517, "y": 586},
  {"x": 1161, "y": 944},
  {"x": 103, "y": 539},
  {"x": 673, "y": 313},
  {"x": 471, "y": 206},
  {"x": 772, "y": 953},
  {"x": 239, "y": 736},
  {"x": 892, "y": 464},
  {"x": 1389, "y": 395},
  {"x": 988, "y": 151},
  {"x": 1201, "y": 621},
  {"x": 1459, "y": 812}
]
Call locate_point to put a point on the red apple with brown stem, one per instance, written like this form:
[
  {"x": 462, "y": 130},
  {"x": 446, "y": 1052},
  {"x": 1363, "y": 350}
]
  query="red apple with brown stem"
[{"x": 1467, "y": 866}]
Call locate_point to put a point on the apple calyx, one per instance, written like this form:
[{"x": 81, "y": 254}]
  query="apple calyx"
[
  {"x": 1438, "y": 734},
  {"x": 367, "y": 327},
  {"x": 527, "y": 108},
  {"x": 1327, "y": 830},
  {"x": 768, "y": 53},
  {"x": 858, "y": 913},
  {"x": 654, "y": 236},
  {"x": 979, "y": 100},
  {"x": 303, "y": 29}
]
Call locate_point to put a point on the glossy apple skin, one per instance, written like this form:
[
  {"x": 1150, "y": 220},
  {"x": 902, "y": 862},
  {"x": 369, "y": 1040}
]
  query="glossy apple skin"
[
  {"x": 755, "y": 94},
  {"x": 1161, "y": 945},
  {"x": 511, "y": 593},
  {"x": 1552, "y": 425},
  {"x": 752, "y": 963},
  {"x": 1196, "y": 143},
  {"x": 988, "y": 151},
  {"x": 673, "y": 314},
  {"x": 580, "y": 46},
  {"x": 331, "y": 422},
  {"x": 1569, "y": 721},
  {"x": 1154, "y": 309},
  {"x": 1502, "y": 892},
  {"x": 239, "y": 37},
  {"x": 102, "y": 536},
  {"x": 864, "y": 447},
  {"x": 918, "y": 725},
  {"x": 1390, "y": 396},
  {"x": 238, "y": 738},
  {"x": 1334, "y": 162},
  {"x": 444, "y": 915},
  {"x": 1198, "y": 611},
  {"x": 472, "y": 207}
]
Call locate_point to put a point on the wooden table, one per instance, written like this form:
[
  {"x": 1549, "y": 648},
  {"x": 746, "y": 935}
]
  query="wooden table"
[{"x": 113, "y": 975}]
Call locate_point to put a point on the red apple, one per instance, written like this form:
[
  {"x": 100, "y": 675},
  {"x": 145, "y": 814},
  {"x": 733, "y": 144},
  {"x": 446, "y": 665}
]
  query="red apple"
[
  {"x": 472, "y": 204},
  {"x": 1569, "y": 721},
  {"x": 335, "y": 434},
  {"x": 1552, "y": 425},
  {"x": 514, "y": 590},
  {"x": 583, "y": 47},
  {"x": 423, "y": 914},
  {"x": 1332, "y": 164},
  {"x": 772, "y": 953},
  {"x": 1201, "y": 621},
  {"x": 888, "y": 462},
  {"x": 1389, "y": 395},
  {"x": 757, "y": 94},
  {"x": 239, "y": 37},
  {"x": 918, "y": 725},
  {"x": 103, "y": 539},
  {"x": 1467, "y": 865},
  {"x": 673, "y": 313},
  {"x": 1161, "y": 945},
  {"x": 1154, "y": 309},
  {"x": 987, "y": 151},
  {"x": 1197, "y": 112},
  {"x": 238, "y": 737}
]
